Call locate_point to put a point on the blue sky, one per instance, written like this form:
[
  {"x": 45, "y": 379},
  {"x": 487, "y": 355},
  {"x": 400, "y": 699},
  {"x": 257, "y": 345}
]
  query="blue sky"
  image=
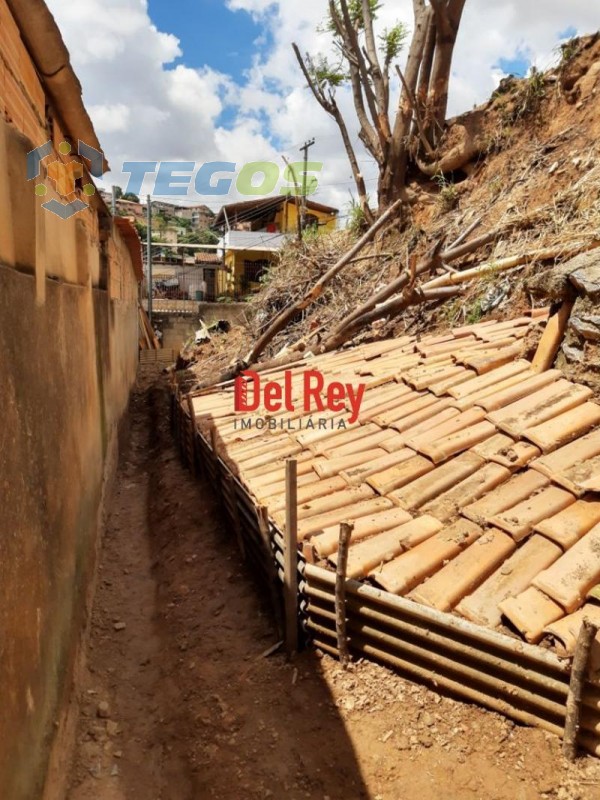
[
  {"x": 210, "y": 33},
  {"x": 216, "y": 80}
]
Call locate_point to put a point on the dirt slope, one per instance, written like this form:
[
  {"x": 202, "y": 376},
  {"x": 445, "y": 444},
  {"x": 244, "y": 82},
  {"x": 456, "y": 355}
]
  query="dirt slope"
[
  {"x": 533, "y": 172},
  {"x": 181, "y": 703}
]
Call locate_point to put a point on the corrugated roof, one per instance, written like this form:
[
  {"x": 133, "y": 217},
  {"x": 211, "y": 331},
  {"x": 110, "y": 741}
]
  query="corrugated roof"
[
  {"x": 471, "y": 479},
  {"x": 265, "y": 203}
]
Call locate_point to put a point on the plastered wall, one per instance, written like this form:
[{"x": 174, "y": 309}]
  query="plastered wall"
[{"x": 68, "y": 360}]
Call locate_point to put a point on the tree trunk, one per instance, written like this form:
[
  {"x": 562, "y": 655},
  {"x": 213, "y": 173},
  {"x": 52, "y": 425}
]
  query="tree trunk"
[
  {"x": 447, "y": 22},
  {"x": 359, "y": 181},
  {"x": 425, "y": 74},
  {"x": 392, "y": 172},
  {"x": 420, "y": 116}
]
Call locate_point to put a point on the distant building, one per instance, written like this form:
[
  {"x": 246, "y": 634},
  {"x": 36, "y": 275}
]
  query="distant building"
[
  {"x": 159, "y": 206},
  {"x": 255, "y": 230},
  {"x": 201, "y": 217},
  {"x": 125, "y": 208}
]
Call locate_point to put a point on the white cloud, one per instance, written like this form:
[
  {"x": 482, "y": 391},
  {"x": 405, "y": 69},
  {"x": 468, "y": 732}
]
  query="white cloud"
[
  {"x": 147, "y": 108},
  {"x": 111, "y": 119}
]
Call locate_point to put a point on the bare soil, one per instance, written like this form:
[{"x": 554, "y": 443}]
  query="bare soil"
[{"x": 179, "y": 701}]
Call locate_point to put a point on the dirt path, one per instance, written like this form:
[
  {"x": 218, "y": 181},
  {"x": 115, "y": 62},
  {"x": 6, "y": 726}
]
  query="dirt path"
[{"x": 180, "y": 704}]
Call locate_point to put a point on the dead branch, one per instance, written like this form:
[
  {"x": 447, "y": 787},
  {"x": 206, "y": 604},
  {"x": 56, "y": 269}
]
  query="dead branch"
[
  {"x": 315, "y": 292},
  {"x": 328, "y": 103},
  {"x": 419, "y": 122},
  {"x": 390, "y": 309},
  {"x": 586, "y": 637},
  {"x": 346, "y": 529},
  {"x": 504, "y": 264}
]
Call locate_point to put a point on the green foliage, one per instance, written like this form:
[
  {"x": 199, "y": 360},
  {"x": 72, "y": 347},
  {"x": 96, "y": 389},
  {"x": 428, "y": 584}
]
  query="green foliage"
[
  {"x": 392, "y": 41},
  {"x": 357, "y": 222},
  {"x": 568, "y": 50},
  {"x": 329, "y": 75},
  {"x": 448, "y": 196},
  {"x": 475, "y": 313},
  {"x": 533, "y": 93},
  {"x": 310, "y": 234},
  {"x": 536, "y": 84},
  {"x": 200, "y": 237},
  {"x": 131, "y": 197},
  {"x": 325, "y": 74},
  {"x": 141, "y": 229},
  {"x": 355, "y": 12},
  {"x": 118, "y": 192}
]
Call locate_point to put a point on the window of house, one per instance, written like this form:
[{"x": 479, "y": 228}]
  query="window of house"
[
  {"x": 253, "y": 271},
  {"x": 311, "y": 221}
]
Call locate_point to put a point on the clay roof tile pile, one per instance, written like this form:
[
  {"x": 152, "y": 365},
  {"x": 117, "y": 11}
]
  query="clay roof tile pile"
[{"x": 469, "y": 477}]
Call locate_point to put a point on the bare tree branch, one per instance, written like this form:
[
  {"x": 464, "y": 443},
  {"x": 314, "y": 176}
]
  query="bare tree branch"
[{"x": 330, "y": 106}]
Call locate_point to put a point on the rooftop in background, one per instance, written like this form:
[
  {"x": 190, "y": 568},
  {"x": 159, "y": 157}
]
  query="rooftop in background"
[
  {"x": 208, "y": 258},
  {"x": 238, "y": 212}
]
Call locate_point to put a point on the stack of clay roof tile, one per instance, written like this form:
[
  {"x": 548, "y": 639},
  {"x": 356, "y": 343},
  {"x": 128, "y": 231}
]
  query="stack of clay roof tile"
[{"x": 470, "y": 478}]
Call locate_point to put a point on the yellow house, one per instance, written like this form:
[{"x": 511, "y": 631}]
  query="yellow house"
[{"x": 254, "y": 231}]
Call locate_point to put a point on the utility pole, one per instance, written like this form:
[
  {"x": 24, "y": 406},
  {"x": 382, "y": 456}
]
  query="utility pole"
[
  {"x": 113, "y": 203},
  {"x": 149, "y": 254},
  {"x": 304, "y": 149}
]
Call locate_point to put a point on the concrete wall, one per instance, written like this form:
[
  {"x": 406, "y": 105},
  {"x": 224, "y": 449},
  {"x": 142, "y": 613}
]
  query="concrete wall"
[
  {"x": 177, "y": 328},
  {"x": 68, "y": 358}
]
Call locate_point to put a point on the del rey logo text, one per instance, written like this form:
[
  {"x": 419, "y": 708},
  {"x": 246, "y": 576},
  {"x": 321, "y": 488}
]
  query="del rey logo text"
[{"x": 253, "y": 392}]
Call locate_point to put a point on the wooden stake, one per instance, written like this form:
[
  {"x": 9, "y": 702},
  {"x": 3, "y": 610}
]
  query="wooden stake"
[
  {"x": 346, "y": 529},
  {"x": 553, "y": 334},
  {"x": 262, "y": 513},
  {"x": 213, "y": 441},
  {"x": 190, "y": 405},
  {"x": 587, "y": 634},
  {"x": 290, "y": 556},
  {"x": 230, "y": 487}
]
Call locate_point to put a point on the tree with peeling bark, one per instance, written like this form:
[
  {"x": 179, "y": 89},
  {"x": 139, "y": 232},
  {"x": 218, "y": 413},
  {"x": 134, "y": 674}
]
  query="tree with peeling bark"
[{"x": 411, "y": 134}]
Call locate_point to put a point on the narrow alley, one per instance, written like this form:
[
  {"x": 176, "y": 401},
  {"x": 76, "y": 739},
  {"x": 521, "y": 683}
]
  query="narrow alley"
[{"x": 178, "y": 699}]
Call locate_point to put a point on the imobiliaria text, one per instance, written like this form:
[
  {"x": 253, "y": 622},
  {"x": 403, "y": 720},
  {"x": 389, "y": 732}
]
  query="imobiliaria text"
[{"x": 254, "y": 392}]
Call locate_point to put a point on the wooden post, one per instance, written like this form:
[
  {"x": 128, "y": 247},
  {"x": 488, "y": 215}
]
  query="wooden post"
[
  {"x": 587, "y": 634},
  {"x": 213, "y": 442},
  {"x": 290, "y": 557},
  {"x": 190, "y": 405},
  {"x": 262, "y": 515},
  {"x": 232, "y": 494},
  {"x": 346, "y": 529},
  {"x": 553, "y": 334}
]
